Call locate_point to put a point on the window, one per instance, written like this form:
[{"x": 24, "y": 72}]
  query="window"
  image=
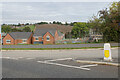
[
  {"x": 36, "y": 39},
  {"x": 8, "y": 41},
  {"x": 24, "y": 41},
  {"x": 48, "y": 38}
]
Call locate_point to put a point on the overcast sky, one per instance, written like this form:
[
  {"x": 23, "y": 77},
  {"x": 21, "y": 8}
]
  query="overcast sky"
[
  {"x": 32, "y": 12},
  {"x": 58, "y": 0}
]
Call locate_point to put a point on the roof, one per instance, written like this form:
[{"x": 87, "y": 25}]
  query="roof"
[
  {"x": 59, "y": 33},
  {"x": 61, "y": 28},
  {"x": 20, "y": 35},
  {"x": 42, "y": 32}
]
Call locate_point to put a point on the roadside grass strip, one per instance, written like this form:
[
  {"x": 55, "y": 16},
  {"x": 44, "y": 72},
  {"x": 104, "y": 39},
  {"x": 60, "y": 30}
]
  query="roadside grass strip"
[{"x": 6, "y": 49}]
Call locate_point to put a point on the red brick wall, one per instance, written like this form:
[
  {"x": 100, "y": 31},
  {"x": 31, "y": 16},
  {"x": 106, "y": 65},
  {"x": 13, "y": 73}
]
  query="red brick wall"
[
  {"x": 40, "y": 39},
  {"x": 0, "y": 36},
  {"x": 56, "y": 36},
  {"x": 17, "y": 41},
  {"x": 8, "y": 37},
  {"x": 51, "y": 41},
  {"x": 29, "y": 41}
]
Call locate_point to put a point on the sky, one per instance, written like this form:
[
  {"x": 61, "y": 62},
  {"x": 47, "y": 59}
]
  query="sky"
[
  {"x": 32, "y": 12},
  {"x": 58, "y": 0}
]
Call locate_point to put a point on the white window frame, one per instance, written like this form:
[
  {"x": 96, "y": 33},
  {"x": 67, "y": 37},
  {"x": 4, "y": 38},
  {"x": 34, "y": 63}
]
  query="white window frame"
[
  {"x": 36, "y": 37},
  {"x": 23, "y": 40},
  {"x": 47, "y": 37},
  {"x": 9, "y": 41}
]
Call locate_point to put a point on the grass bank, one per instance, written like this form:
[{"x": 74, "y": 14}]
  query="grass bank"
[{"x": 32, "y": 27}]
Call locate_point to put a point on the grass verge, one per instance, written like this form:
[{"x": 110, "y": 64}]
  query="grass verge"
[{"x": 50, "y": 48}]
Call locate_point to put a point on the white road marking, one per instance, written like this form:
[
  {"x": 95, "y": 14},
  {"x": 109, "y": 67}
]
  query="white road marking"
[
  {"x": 20, "y": 57},
  {"x": 9, "y": 58},
  {"x": 14, "y": 58},
  {"x": 6, "y": 57},
  {"x": 89, "y": 65},
  {"x": 46, "y": 62},
  {"x": 29, "y": 58},
  {"x": 60, "y": 59}
]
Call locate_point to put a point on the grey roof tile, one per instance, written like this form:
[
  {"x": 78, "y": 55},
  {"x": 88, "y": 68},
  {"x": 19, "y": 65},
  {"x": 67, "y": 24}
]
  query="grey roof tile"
[
  {"x": 42, "y": 32},
  {"x": 20, "y": 35}
]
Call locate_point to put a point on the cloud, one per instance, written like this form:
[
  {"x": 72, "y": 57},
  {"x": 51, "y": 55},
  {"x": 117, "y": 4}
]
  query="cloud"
[{"x": 16, "y": 12}]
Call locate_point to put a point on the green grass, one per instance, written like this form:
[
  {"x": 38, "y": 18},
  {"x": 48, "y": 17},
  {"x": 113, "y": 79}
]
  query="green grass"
[
  {"x": 32, "y": 27},
  {"x": 50, "y": 48}
]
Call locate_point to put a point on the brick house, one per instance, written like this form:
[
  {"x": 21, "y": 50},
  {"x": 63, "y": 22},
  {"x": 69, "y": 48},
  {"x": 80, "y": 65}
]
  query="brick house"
[
  {"x": 13, "y": 38},
  {"x": 47, "y": 36}
]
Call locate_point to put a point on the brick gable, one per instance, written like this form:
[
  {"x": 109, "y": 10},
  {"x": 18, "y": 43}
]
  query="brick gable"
[
  {"x": 8, "y": 37},
  {"x": 51, "y": 41}
]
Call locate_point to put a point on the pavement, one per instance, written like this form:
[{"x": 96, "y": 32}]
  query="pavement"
[
  {"x": 58, "y": 64},
  {"x": 59, "y": 46}
]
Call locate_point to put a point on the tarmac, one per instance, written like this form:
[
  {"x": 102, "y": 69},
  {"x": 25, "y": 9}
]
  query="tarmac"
[{"x": 90, "y": 60}]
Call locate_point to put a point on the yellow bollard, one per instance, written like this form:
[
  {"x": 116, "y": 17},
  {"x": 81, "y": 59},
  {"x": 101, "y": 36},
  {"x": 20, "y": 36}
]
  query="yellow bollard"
[{"x": 107, "y": 52}]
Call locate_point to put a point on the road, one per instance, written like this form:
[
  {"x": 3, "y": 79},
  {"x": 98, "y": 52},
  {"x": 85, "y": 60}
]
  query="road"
[
  {"x": 56, "y": 64},
  {"x": 58, "y": 46}
]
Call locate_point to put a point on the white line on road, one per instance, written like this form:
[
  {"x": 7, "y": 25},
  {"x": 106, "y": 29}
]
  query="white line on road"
[
  {"x": 60, "y": 59},
  {"x": 89, "y": 65},
  {"x": 9, "y": 58},
  {"x": 6, "y": 57},
  {"x": 14, "y": 58},
  {"x": 29, "y": 58},
  {"x": 45, "y": 62},
  {"x": 20, "y": 57}
]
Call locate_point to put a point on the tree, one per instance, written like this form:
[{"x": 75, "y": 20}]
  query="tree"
[
  {"x": 42, "y": 23},
  {"x": 16, "y": 30},
  {"x": 54, "y": 22},
  {"x": 19, "y": 24},
  {"x": 26, "y": 29},
  {"x": 95, "y": 24},
  {"x": 80, "y": 29},
  {"x": 6, "y": 28},
  {"x": 72, "y": 23},
  {"x": 27, "y": 24},
  {"x": 66, "y": 23},
  {"x": 108, "y": 22}
]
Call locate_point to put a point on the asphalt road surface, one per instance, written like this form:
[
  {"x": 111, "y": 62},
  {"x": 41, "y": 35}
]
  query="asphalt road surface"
[{"x": 56, "y": 64}]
